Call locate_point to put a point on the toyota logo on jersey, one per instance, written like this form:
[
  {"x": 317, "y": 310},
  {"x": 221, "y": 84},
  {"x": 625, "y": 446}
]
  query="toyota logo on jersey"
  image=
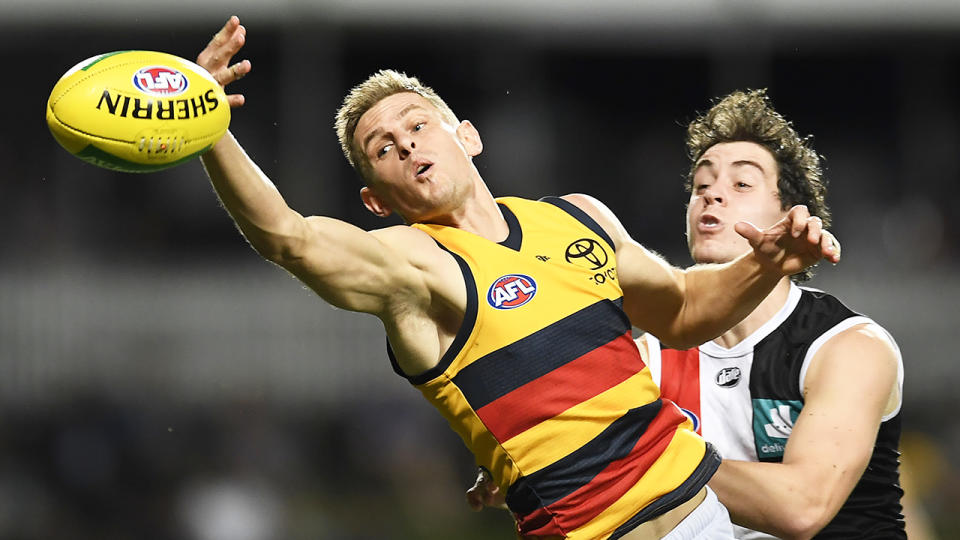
[
  {"x": 511, "y": 291},
  {"x": 160, "y": 81},
  {"x": 587, "y": 253}
]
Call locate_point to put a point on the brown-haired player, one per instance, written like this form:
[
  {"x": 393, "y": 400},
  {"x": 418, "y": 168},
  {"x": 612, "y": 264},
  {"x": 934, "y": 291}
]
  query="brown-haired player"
[
  {"x": 493, "y": 310},
  {"x": 802, "y": 397},
  {"x": 810, "y": 432}
]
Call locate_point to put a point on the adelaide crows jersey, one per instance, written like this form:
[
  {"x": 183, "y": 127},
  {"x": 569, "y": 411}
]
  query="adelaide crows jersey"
[
  {"x": 745, "y": 400},
  {"x": 547, "y": 388}
]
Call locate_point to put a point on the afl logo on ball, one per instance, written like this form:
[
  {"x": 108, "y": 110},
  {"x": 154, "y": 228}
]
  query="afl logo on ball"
[
  {"x": 160, "y": 81},
  {"x": 728, "y": 377},
  {"x": 511, "y": 291}
]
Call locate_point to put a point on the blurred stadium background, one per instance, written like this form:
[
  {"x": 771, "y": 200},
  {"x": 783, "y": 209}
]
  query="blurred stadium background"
[{"x": 159, "y": 381}]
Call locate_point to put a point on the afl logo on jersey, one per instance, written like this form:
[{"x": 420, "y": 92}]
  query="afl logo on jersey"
[
  {"x": 728, "y": 377},
  {"x": 511, "y": 291}
]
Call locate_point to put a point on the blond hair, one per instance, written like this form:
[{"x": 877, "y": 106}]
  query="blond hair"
[
  {"x": 749, "y": 116},
  {"x": 364, "y": 96}
]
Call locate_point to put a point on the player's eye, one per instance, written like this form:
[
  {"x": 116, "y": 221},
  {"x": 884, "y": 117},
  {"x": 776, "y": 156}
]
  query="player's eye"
[
  {"x": 383, "y": 150},
  {"x": 419, "y": 126}
]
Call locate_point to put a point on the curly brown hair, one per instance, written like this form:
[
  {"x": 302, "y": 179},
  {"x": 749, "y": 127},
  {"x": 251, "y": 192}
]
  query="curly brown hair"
[{"x": 750, "y": 116}]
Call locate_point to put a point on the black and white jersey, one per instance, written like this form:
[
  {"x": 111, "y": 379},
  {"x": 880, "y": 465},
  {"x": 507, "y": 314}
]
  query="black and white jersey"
[{"x": 745, "y": 400}]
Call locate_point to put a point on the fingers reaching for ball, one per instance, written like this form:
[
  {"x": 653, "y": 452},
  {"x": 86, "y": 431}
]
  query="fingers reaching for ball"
[
  {"x": 233, "y": 73},
  {"x": 224, "y": 44},
  {"x": 216, "y": 57}
]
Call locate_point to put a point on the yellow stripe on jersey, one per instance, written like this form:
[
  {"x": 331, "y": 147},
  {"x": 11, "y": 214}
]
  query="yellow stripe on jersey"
[
  {"x": 553, "y": 437},
  {"x": 665, "y": 475},
  {"x": 545, "y": 384}
]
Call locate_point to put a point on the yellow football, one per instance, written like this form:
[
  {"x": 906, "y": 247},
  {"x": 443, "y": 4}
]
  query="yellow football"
[{"x": 137, "y": 111}]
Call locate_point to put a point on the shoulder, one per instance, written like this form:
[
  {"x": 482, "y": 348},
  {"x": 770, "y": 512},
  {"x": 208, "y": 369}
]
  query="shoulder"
[
  {"x": 842, "y": 339},
  {"x": 862, "y": 334},
  {"x": 413, "y": 242},
  {"x": 862, "y": 359},
  {"x": 842, "y": 329},
  {"x": 403, "y": 236},
  {"x": 600, "y": 213},
  {"x": 862, "y": 342},
  {"x": 418, "y": 250}
]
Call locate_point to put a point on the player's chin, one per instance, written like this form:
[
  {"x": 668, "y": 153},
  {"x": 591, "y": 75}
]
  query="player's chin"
[{"x": 704, "y": 252}]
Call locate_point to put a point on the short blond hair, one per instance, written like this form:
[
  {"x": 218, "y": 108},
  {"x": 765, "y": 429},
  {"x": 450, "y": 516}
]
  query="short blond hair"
[{"x": 364, "y": 96}]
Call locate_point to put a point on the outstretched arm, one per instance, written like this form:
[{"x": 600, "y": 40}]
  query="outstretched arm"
[
  {"x": 684, "y": 308},
  {"x": 348, "y": 267},
  {"x": 851, "y": 384}
]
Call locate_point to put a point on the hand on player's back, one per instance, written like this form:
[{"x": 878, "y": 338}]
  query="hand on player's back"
[{"x": 485, "y": 493}]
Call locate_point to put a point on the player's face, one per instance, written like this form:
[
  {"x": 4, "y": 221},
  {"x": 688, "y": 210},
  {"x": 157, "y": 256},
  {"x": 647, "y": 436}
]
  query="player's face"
[
  {"x": 733, "y": 182},
  {"x": 421, "y": 165}
]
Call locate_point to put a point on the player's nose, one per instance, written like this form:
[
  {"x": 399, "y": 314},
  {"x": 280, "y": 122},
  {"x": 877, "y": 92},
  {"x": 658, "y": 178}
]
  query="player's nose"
[
  {"x": 405, "y": 146},
  {"x": 713, "y": 194}
]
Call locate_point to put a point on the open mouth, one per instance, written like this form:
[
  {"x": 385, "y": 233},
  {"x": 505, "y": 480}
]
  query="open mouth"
[
  {"x": 423, "y": 168},
  {"x": 709, "y": 222}
]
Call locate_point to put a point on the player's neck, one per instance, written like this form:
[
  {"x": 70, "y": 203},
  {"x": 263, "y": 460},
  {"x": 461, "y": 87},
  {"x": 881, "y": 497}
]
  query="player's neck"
[
  {"x": 480, "y": 214},
  {"x": 758, "y": 317}
]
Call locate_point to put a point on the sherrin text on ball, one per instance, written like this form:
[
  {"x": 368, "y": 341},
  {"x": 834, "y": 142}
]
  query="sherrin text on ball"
[{"x": 137, "y": 111}]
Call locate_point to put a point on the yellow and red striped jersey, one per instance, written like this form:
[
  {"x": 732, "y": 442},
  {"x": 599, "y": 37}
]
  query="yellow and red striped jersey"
[{"x": 547, "y": 388}]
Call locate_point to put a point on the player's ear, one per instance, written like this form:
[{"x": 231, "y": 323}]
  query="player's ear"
[
  {"x": 470, "y": 138},
  {"x": 374, "y": 203}
]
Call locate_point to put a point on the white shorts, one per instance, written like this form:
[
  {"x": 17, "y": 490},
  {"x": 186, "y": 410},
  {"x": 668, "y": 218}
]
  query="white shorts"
[{"x": 710, "y": 520}]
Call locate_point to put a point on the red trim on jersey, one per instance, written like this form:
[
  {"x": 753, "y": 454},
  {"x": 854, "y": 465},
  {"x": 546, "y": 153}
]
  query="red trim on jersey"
[
  {"x": 568, "y": 385},
  {"x": 608, "y": 486},
  {"x": 680, "y": 379}
]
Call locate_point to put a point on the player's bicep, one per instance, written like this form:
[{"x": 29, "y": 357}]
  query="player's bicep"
[
  {"x": 652, "y": 290},
  {"x": 846, "y": 392},
  {"x": 348, "y": 267}
]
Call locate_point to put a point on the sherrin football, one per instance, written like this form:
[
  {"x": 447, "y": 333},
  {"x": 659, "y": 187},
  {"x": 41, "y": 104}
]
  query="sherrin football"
[{"x": 137, "y": 111}]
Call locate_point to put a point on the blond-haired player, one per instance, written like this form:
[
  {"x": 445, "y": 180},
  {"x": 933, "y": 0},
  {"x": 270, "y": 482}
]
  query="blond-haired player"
[{"x": 488, "y": 301}]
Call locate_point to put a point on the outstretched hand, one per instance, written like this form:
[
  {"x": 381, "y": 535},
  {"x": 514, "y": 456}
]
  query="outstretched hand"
[
  {"x": 485, "y": 493},
  {"x": 793, "y": 243},
  {"x": 216, "y": 57}
]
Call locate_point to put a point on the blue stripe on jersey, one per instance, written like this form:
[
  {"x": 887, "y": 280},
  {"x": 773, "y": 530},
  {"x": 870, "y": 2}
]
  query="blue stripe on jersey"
[
  {"x": 466, "y": 327},
  {"x": 514, "y": 239},
  {"x": 580, "y": 216},
  {"x": 502, "y": 371},
  {"x": 576, "y": 469},
  {"x": 684, "y": 492}
]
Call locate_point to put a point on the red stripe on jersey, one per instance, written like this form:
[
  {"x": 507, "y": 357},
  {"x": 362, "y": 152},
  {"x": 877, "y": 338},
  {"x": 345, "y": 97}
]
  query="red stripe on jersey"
[
  {"x": 610, "y": 485},
  {"x": 680, "y": 379},
  {"x": 566, "y": 386}
]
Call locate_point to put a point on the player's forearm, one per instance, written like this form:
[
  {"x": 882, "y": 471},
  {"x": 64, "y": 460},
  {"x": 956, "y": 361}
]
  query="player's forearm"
[
  {"x": 252, "y": 200},
  {"x": 774, "y": 498},
  {"x": 717, "y": 297}
]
